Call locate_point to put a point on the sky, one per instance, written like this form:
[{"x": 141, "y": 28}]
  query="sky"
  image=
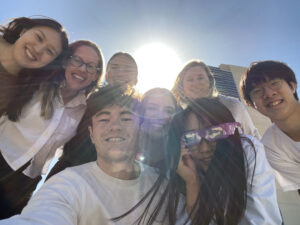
[{"x": 217, "y": 32}]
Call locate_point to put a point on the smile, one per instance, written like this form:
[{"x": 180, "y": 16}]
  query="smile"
[
  {"x": 275, "y": 103},
  {"x": 78, "y": 77},
  {"x": 30, "y": 55},
  {"x": 115, "y": 139}
]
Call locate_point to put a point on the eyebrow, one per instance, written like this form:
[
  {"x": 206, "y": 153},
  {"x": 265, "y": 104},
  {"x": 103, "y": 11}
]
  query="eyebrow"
[
  {"x": 126, "y": 113},
  {"x": 44, "y": 36},
  {"x": 101, "y": 113}
]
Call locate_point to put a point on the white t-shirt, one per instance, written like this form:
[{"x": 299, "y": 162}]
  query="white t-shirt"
[
  {"x": 284, "y": 156},
  {"x": 36, "y": 139},
  {"x": 85, "y": 195}
]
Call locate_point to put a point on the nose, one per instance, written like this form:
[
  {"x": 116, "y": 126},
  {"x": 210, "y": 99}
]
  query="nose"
[
  {"x": 40, "y": 48},
  {"x": 268, "y": 92},
  {"x": 83, "y": 67},
  {"x": 115, "y": 125}
]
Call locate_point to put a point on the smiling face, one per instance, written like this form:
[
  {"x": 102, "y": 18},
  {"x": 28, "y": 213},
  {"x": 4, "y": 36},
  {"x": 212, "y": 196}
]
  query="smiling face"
[
  {"x": 77, "y": 78},
  {"x": 121, "y": 70},
  {"x": 37, "y": 47},
  {"x": 196, "y": 83},
  {"x": 203, "y": 152},
  {"x": 276, "y": 104},
  {"x": 114, "y": 132},
  {"x": 159, "y": 109}
]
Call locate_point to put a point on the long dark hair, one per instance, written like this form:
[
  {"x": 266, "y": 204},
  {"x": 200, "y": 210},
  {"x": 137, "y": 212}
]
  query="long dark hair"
[
  {"x": 222, "y": 196},
  {"x": 29, "y": 80}
]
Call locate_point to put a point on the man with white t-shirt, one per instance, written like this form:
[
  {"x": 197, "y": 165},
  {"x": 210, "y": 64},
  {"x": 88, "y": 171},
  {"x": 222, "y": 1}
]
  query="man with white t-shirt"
[
  {"x": 101, "y": 191},
  {"x": 270, "y": 87}
]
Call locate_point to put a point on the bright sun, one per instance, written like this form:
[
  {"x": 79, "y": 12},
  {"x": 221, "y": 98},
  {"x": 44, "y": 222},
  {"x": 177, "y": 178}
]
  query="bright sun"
[{"x": 158, "y": 66}]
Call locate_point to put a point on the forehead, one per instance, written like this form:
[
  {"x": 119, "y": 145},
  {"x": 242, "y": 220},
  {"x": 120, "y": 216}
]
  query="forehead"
[
  {"x": 86, "y": 53},
  {"x": 122, "y": 60},
  {"x": 195, "y": 70},
  {"x": 160, "y": 99},
  {"x": 192, "y": 122},
  {"x": 115, "y": 110},
  {"x": 50, "y": 35}
]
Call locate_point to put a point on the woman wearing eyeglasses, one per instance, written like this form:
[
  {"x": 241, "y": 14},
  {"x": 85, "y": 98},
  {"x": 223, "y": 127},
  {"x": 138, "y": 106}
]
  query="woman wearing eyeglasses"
[
  {"x": 225, "y": 176},
  {"x": 45, "y": 123}
]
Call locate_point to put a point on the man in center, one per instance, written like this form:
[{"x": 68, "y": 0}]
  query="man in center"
[{"x": 102, "y": 191}]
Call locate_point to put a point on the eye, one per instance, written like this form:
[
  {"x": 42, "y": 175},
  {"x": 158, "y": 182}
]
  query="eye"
[
  {"x": 169, "y": 111},
  {"x": 39, "y": 38},
  {"x": 126, "y": 119},
  {"x": 50, "y": 52}
]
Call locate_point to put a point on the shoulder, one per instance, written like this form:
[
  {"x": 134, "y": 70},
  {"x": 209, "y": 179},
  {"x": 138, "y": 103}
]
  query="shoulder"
[
  {"x": 253, "y": 147},
  {"x": 271, "y": 134}
]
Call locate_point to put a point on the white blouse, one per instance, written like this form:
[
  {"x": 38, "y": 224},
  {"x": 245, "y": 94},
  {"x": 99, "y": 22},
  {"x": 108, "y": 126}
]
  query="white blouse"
[{"x": 36, "y": 139}]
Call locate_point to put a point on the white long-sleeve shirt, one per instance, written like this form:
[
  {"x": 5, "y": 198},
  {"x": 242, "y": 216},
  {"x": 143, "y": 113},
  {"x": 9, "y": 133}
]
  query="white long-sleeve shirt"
[
  {"x": 240, "y": 114},
  {"x": 262, "y": 207},
  {"x": 36, "y": 139}
]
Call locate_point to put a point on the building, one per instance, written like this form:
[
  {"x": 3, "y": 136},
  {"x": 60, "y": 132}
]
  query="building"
[{"x": 227, "y": 82}]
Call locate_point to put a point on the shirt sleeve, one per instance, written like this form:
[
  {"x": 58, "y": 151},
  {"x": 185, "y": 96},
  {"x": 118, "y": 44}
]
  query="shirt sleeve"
[
  {"x": 57, "y": 202},
  {"x": 241, "y": 115},
  {"x": 262, "y": 207}
]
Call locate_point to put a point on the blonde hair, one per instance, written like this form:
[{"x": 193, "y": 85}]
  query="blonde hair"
[{"x": 177, "y": 89}]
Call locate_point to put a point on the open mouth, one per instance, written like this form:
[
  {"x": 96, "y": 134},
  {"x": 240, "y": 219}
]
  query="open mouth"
[
  {"x": 78, "y": 77},
  {"x": 274, "y": 103},
  {"x": 30, "y": 54},
  {"x": 115, "y": 139}
]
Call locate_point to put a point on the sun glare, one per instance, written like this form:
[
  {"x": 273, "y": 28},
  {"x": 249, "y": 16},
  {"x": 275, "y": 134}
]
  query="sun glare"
[{"x": 158, "y": 66}]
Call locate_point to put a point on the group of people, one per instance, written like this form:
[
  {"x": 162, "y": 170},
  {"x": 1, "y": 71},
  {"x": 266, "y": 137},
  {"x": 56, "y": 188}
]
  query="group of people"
[{"x": 185, "y": 156}]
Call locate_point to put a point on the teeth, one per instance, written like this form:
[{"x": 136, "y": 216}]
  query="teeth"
[
  {"x": 115, "y": 139},
  {"x": 29, "y": 54},
  {"x": 274, "y": 103},
  {"x": 78, "y": 77}
]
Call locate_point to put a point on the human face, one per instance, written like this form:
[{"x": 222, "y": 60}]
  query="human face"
[
  {"x": 277, "y": 104},
  {"x": 37, "y": 47},
  {"x": 122, "y": 70},
  {"x": 203, "y": 152},
  {"x": 159, "y": 109},
  {"x": 113, "y": 132},
  {"x": 77, "y": 78},
  {"x": 196, "y": 83}
]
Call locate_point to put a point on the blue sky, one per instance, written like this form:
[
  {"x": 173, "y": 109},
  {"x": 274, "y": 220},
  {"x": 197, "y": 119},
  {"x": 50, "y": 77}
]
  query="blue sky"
[{"x": 218, "y": 32}]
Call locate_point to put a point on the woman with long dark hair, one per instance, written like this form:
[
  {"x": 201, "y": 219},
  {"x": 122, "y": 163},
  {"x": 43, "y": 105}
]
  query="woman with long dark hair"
[
  {"x": 225, "y": 176},
  {"x": 43, "y": 123}
]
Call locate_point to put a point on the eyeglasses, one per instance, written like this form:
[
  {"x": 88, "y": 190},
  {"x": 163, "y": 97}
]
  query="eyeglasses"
[
  {"x": 78, "y": 62},
  {"x": 259, "y": 92},
  {"x": 212, "y": 133}
]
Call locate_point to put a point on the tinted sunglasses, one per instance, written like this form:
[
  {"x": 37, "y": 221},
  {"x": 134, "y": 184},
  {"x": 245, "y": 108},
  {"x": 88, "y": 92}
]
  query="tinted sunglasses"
[{"x": 212, "y": 133}]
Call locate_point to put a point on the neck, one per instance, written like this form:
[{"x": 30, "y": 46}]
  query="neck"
[
  {"x": 68, "y": 94},
  {"x": 125, "y": 170},
  {"x": 291, "y": 125},
  {"x": 6, "y": 58}
]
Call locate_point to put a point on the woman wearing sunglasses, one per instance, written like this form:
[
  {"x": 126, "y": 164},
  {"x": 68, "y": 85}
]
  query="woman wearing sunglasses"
[
  {"x": 44, "y": 123},
  {"x": 225, "y": 176}
]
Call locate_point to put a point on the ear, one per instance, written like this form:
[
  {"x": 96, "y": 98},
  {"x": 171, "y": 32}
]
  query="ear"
[
  {"x": 293, "y": 86},
  {"x": 136, "y": 80},
  {"x": 91, "y": 134}
]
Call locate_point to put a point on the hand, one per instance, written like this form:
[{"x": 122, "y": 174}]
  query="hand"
[{"x": 187, "y": 168}]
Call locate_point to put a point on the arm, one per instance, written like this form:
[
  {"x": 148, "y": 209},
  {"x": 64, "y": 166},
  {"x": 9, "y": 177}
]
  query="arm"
[
  {"x": 187, "y": 171},
  {"x": 57, "y": 202},
  {"x": 262, "y": 207}
]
